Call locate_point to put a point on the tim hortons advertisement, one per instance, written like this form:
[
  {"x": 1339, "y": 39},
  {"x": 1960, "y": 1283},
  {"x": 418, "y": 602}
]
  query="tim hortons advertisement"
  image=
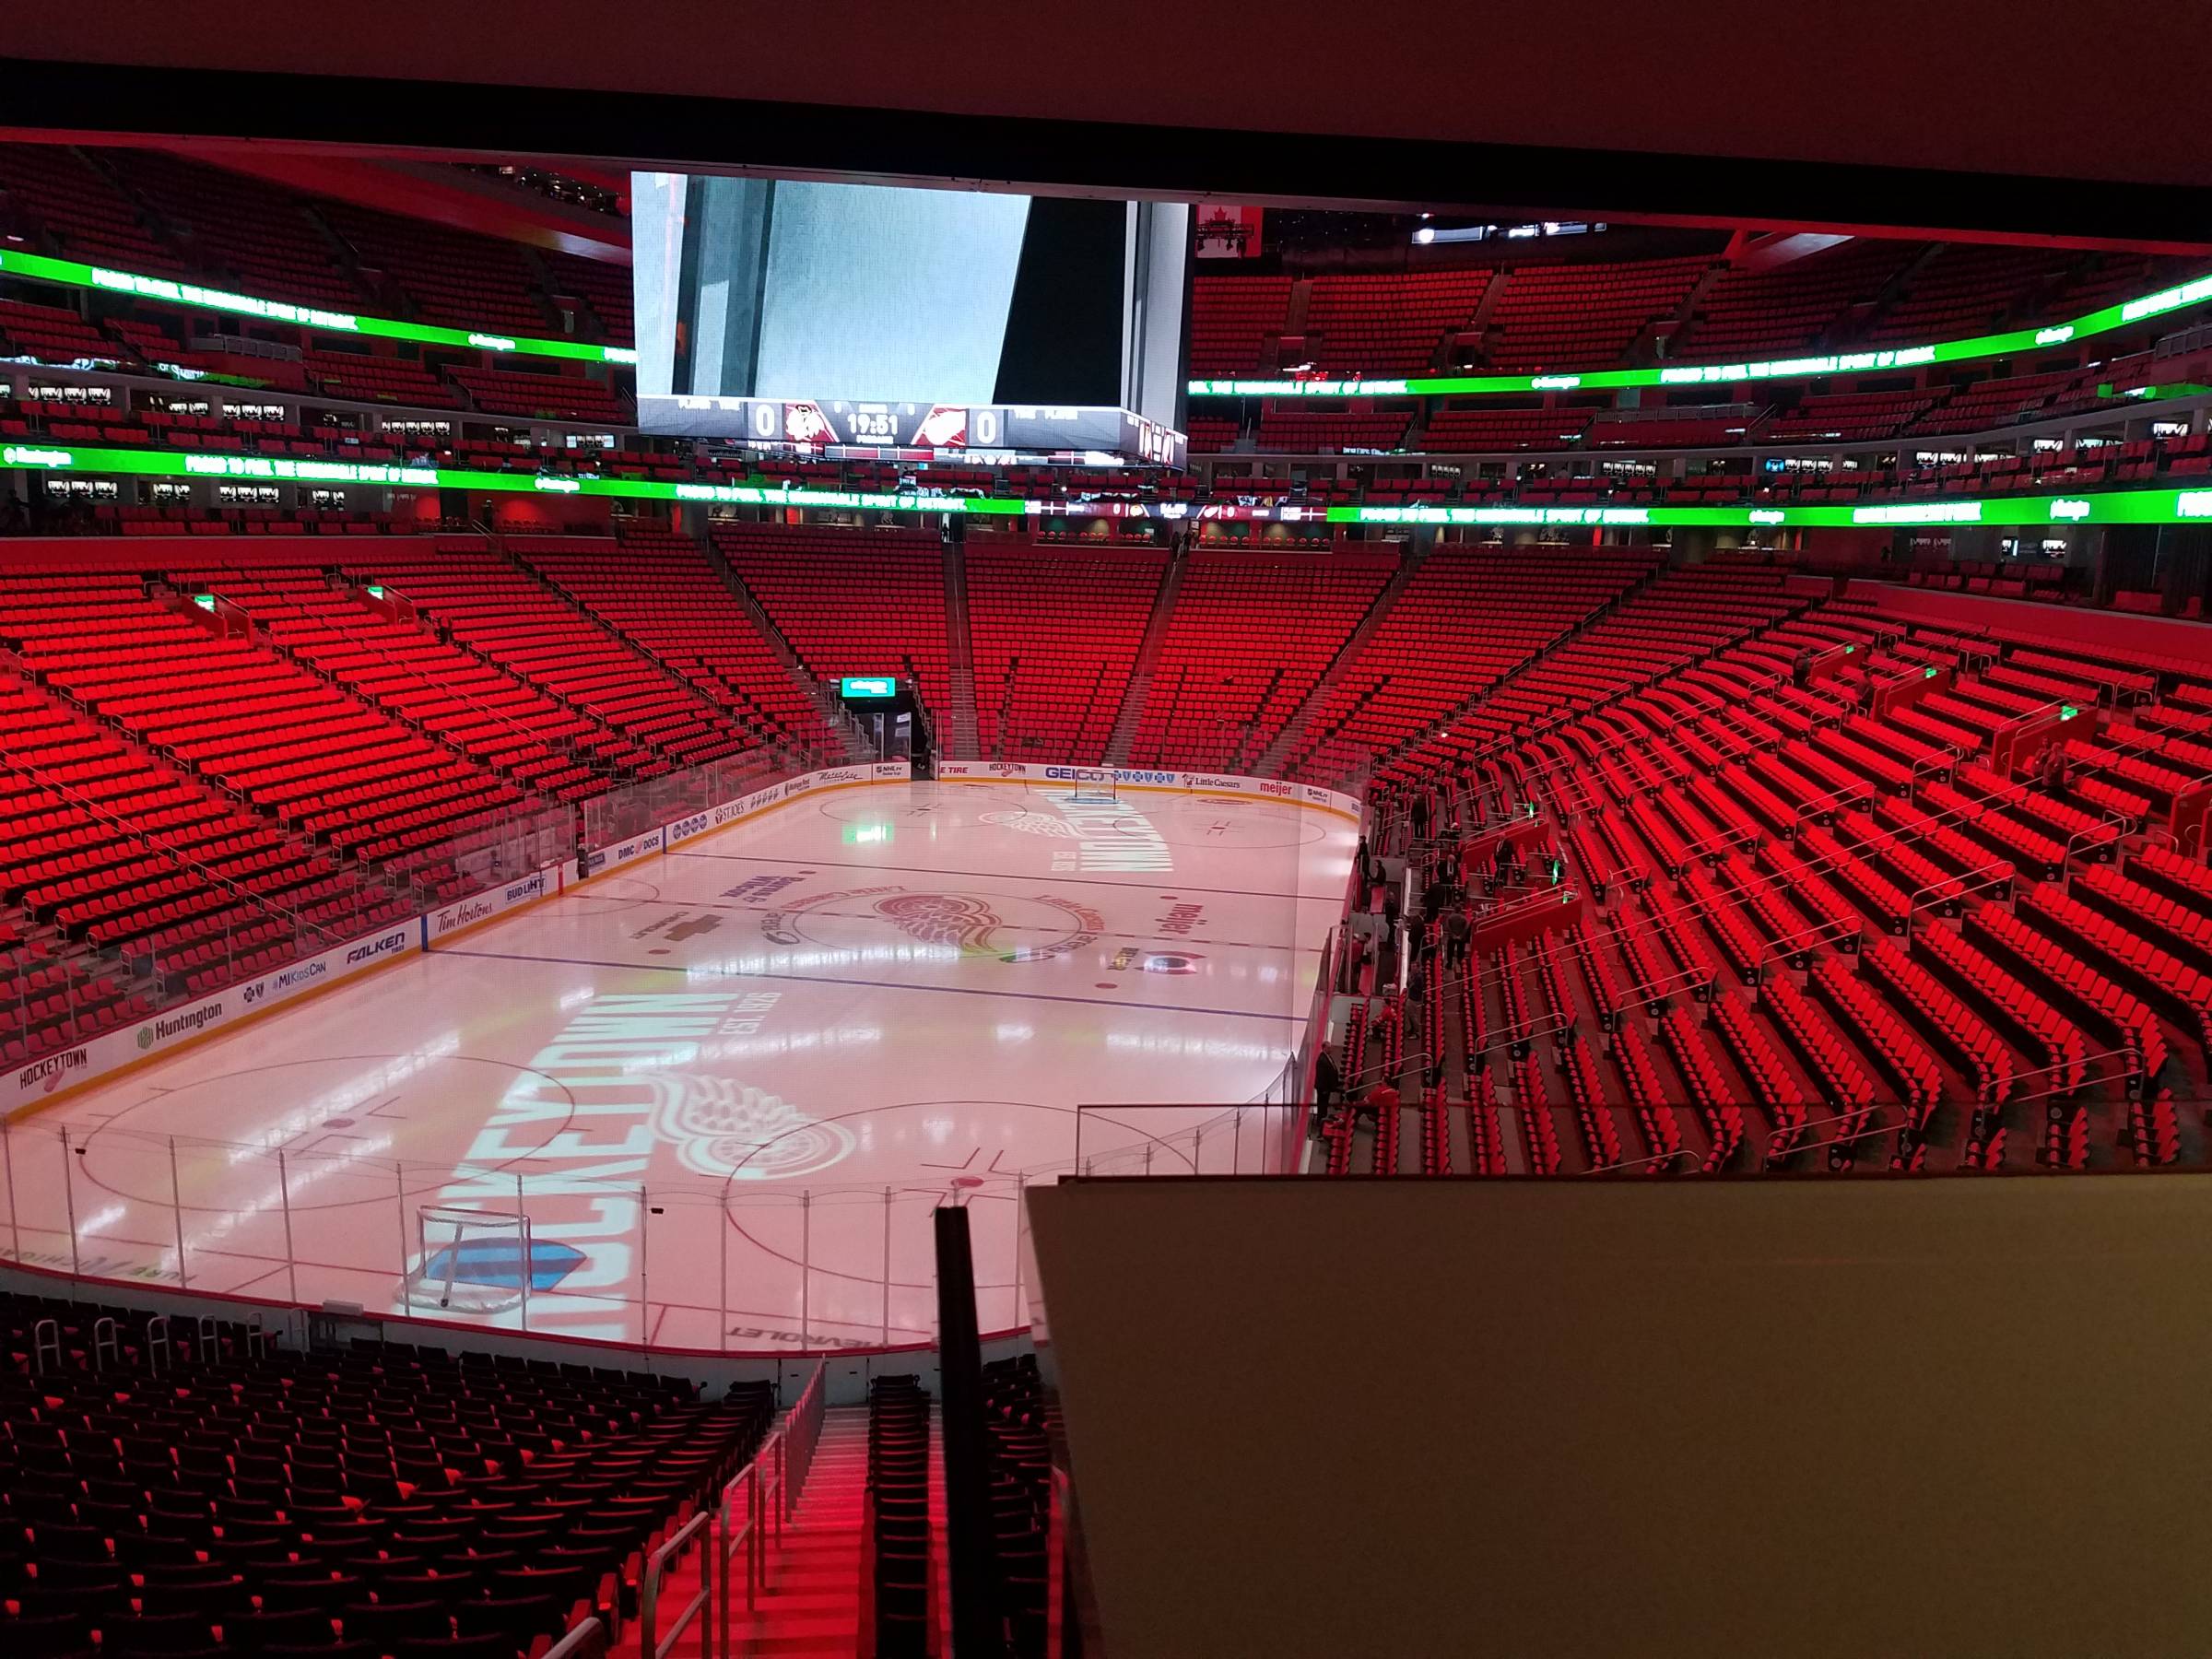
[{"x": 481, "y": 907}]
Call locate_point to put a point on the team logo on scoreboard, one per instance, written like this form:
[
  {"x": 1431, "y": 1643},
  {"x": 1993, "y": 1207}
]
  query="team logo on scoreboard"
[{"x": 1006, "y": 928}]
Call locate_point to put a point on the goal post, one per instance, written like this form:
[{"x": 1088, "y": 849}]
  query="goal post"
[
  {"x": 1092, "y": 786},
  {"x": 471, "y": 1261}
]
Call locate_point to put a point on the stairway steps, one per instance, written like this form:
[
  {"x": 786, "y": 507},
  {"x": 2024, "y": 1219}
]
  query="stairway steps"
[
  {"x": 1139, "y": 689},
  {"x": 810, "y": 1603},
  {"x": 1270, "y": 763}
]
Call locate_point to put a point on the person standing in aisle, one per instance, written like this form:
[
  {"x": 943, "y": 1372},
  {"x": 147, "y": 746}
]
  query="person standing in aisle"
[{"x": 1458, "y": 931}]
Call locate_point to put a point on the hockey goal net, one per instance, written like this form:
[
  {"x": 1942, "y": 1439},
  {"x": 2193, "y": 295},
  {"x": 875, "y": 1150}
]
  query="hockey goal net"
[
  {"x": 472, "y": 1261},
  {"x": 1092, "y": 786}
]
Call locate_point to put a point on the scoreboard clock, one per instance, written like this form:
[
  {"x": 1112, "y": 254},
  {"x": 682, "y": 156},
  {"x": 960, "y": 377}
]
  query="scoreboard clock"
[{"x": 926, "y": 428}]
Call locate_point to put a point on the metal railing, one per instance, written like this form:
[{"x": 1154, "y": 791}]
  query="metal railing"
[
  {"x": 652, "y": 1644},
  {"x": 802, "y": 1434},
  {"x": 758, "y": 1502},
  {"x": 742, "y": 1515},
  {"x": 586, "y": 1639},
  {"x": 778, "y": 1266}
]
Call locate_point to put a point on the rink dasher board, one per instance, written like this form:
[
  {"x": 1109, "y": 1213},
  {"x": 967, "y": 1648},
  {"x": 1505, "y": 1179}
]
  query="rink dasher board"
[
  {"x": 26, "y": 1088},
  {"x": 1151, "y": 779}
]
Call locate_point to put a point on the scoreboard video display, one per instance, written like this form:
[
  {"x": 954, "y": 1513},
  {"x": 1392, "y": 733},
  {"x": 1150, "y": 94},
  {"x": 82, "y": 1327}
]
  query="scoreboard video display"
[
  {"x": 936, "y": 322},
  {"x": 946, "y": 428}
]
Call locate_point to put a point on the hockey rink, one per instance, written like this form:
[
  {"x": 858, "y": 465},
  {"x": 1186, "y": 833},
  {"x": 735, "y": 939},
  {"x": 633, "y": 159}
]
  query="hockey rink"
[{"x": 727, "y": 1084}]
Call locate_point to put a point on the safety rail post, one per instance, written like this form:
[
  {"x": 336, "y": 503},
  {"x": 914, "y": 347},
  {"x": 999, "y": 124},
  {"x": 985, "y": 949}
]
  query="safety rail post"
[
  {"x": 651, "y": 1645},
  {"x": 1996, "y": 872},
  {"x": 586, "y": 1639},
  {"x": 1806, "y": 940},
  {"x": 731, "y": 1535},
  {"x": 1842, "y": 797},
  {"x": 803, "y": 1431},
  {"x": 2119, "y": 823}
]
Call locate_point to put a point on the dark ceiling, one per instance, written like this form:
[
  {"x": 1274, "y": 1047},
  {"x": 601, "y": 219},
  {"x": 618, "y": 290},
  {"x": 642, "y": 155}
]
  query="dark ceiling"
[{"x": 2026, "y": 118}]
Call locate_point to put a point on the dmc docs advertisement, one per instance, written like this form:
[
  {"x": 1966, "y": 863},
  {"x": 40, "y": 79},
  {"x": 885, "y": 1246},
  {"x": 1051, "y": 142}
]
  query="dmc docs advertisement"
[
  {"x": 1129, "y": 777},
  {"x": 27, "y": 1085}
]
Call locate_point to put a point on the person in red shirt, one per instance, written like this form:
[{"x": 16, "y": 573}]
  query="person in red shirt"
[{"x": 1381, "y": 1098}]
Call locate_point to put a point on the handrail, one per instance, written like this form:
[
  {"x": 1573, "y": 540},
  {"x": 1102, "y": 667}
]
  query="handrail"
[
  {"x": 649, "y": 1643},
  {"x": 568, "y": 745},
  {"x": 750, "y": 1534},
  {"x": 1996, "y": 872},
  {"x": 586, "y": 1639},
  {"x": 2117, "y": 822},
  {"x": 1832, "y": 931},
  {"x": 1844, "y": 794},
  {"x": 214, "y": 878},
  {"x": 803, "y": 1432},
  {"x": 770, "y": 1499}
]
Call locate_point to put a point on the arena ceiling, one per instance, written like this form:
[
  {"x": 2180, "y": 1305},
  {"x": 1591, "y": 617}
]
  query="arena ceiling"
[{"x": 2025, "y": 118}]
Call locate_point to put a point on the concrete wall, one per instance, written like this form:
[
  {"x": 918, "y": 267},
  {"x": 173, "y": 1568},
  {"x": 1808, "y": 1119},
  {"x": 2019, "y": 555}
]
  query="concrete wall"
[{"x": 1765, "y": 1417}]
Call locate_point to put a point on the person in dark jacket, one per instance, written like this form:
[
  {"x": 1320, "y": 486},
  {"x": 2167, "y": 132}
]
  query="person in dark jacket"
[
  {"x": 1328, "y": 1081},
  {"x": 1458, "y": 931}
]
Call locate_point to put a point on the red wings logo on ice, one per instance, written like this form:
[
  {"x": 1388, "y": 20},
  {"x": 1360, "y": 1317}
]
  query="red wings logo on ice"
[
  {"x": 725, "y": 1128},
  {"x": 1031, "y": 823},
  {"x": 872, "y": 922},
  {"x": 942, "y": 918}
]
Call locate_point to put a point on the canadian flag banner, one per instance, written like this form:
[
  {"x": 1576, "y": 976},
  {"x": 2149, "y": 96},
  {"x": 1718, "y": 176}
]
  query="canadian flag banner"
[{"x": 1227, "y": 231}]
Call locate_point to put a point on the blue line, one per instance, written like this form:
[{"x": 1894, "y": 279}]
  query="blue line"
[
  {"x": 1165, "y": 884},
  {"x": 824, "y": 978}
]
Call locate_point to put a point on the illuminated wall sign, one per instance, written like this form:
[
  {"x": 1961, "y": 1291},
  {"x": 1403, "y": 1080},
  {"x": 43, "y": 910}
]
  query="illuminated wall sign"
[
  {"x": 72, "y": 272},
  {"x": 868, "y": 685},
  {"x": 205, "y": 601},
  {"x": 2103, "y": 321},
  {"x": 2103, "y": 507}
]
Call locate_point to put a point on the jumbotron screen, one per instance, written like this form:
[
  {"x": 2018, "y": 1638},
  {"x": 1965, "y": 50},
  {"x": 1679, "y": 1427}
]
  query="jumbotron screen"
[{"x": 780, "y": 312}]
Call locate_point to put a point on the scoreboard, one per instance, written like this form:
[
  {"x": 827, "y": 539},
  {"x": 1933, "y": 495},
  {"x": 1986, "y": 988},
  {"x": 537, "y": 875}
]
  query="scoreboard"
[{"x": 1001, "y": 433}]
